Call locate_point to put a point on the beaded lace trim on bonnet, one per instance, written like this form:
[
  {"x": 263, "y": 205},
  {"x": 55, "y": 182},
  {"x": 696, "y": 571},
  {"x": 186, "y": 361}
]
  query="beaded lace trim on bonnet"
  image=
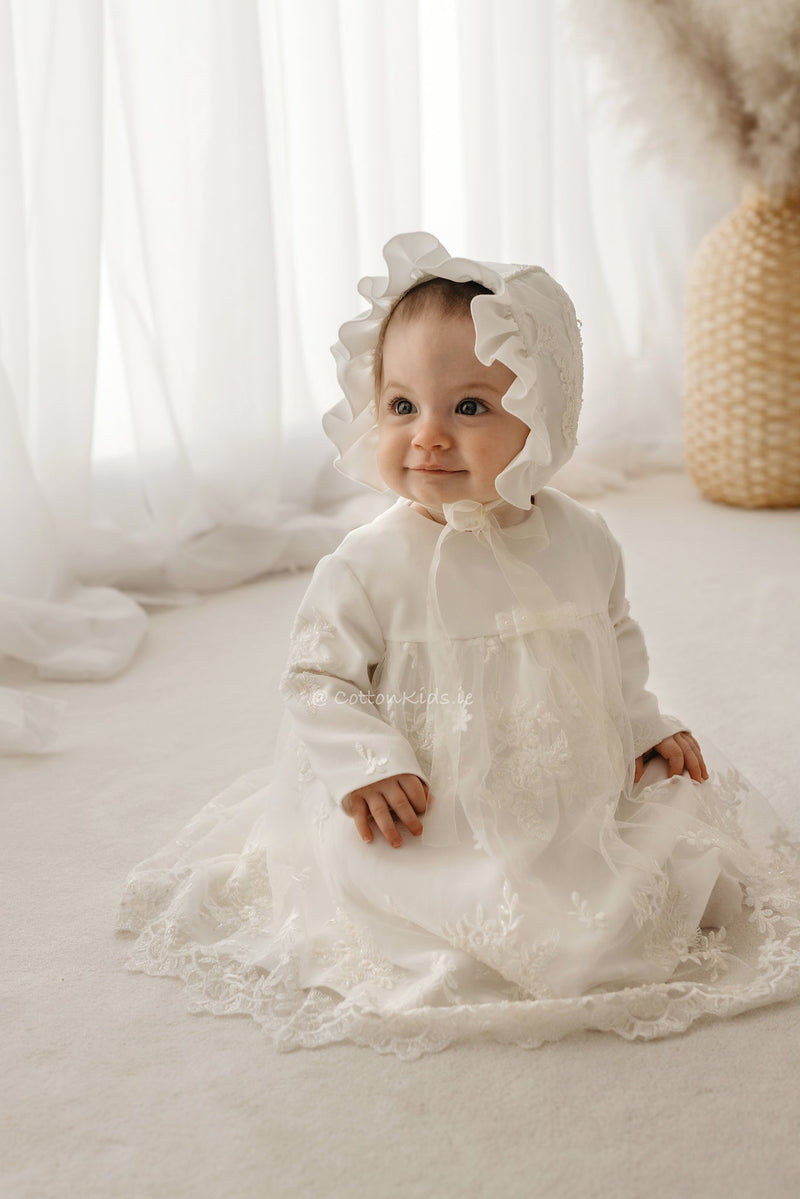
[{"x": 528, "y": 324}]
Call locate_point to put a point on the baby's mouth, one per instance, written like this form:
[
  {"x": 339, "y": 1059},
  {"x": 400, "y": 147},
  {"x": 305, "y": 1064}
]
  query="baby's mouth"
[{"x": 437, "y": 470}]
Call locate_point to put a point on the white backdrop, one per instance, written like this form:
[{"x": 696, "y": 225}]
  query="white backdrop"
[{"x": 191, "y": 189}]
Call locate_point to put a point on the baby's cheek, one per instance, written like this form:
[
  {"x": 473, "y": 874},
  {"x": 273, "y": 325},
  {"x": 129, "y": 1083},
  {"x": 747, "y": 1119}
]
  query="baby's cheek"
[
  {"x": 388, "y": 454},
  {"x": 495, "y": 456},
  {"x": 513, "y": 445}
]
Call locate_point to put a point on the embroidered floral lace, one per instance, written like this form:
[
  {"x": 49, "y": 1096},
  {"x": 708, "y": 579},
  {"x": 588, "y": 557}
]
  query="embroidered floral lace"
[{"x": 570, "y": 899}]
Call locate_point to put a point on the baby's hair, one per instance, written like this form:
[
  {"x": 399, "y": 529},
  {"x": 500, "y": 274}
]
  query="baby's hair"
[{"x": 443, "y": 297}]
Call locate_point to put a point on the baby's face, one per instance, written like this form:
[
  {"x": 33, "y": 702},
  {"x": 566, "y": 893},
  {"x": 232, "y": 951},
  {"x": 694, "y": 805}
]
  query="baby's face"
[{"x": 443, "y": 433}]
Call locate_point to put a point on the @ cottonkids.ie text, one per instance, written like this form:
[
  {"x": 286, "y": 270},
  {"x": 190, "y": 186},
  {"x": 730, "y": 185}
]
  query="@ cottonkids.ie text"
[{"x": 421, "y": 696}]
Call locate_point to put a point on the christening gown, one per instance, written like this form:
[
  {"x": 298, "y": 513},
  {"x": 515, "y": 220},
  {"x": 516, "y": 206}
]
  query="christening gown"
[{"x": 548, "y": 893}]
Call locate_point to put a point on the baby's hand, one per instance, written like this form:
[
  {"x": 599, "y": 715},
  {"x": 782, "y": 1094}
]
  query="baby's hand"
[
  {"x": 401, "y": 796},
  {"x": 682, "y": 752}
]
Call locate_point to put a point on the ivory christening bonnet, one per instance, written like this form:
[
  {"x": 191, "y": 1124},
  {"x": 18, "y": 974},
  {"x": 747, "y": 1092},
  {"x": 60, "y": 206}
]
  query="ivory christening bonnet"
[{"x": 528, "y": 324}]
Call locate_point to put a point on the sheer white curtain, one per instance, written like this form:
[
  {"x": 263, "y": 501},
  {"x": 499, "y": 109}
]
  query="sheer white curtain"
[{"x": 191, "y": 189}]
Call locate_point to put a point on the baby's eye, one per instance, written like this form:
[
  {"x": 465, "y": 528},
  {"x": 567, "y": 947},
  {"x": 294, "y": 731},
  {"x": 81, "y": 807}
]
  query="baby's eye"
[
  {"x": 401, "y": 406},
  {"x": 471, "y": 407}
]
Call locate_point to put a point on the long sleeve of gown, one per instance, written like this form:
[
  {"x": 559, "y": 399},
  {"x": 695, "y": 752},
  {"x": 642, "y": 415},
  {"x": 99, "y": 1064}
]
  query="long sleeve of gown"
[
  {"x": 648, "y": 723},
  {"x": 336, "y": 643}
]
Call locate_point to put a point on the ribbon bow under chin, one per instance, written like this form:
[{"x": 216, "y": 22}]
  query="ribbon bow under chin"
[{"x": 468, "y": 516}]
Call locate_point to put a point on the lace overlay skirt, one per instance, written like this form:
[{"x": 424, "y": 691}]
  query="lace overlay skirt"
[{"x": 683, "y": 902}]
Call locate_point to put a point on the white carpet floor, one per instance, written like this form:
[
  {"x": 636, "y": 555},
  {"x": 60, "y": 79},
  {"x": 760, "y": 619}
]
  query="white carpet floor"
[{"x": 112, "y": 1089}]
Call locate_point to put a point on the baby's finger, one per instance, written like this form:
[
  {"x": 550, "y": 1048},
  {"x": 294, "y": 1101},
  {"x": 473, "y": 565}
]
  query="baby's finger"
[
  {"x": 693, "y": 758},
  {"x": 384, "y": 820},
  {"x": 702, "y": 769},
  {"x": 403, "y": 809},
  {"x": 360, "y": 814},
  {"x": 700, "y": 758},
  {"x": 674, "y": 756},
  {"x": 692, "y": 764},
  {"x": 416, "y": 791}
]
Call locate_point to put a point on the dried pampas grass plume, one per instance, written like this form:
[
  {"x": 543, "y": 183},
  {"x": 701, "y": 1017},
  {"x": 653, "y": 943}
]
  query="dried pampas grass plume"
[{"x": 713, "y": 86}]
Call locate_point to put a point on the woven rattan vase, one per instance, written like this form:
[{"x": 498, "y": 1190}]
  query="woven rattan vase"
[{"x": 741, "y": 419}]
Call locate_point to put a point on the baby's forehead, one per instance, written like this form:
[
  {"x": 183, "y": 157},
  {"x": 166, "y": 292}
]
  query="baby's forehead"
[
  {"x": 429, "y": 313},
  {"x": 438, "y": 351},
  {"x": 408, "y": 334}
]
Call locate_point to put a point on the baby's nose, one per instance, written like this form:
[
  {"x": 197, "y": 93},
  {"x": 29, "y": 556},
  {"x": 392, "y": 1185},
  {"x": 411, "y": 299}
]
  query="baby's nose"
[{"x": 431, "y": 432}]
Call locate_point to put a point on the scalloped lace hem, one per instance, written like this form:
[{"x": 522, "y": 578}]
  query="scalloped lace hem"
[{"x": 296, "y": 1018}]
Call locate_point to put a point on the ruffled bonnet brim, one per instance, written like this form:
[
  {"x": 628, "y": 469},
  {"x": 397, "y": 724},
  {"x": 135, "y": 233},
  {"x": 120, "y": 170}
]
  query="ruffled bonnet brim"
[{"x": 527, "y": 323}]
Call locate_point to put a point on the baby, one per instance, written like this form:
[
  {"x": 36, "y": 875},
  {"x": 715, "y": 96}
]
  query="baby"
[
  {"x": 444, "y": 435},
  {"x": 465, "y": 677}
]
